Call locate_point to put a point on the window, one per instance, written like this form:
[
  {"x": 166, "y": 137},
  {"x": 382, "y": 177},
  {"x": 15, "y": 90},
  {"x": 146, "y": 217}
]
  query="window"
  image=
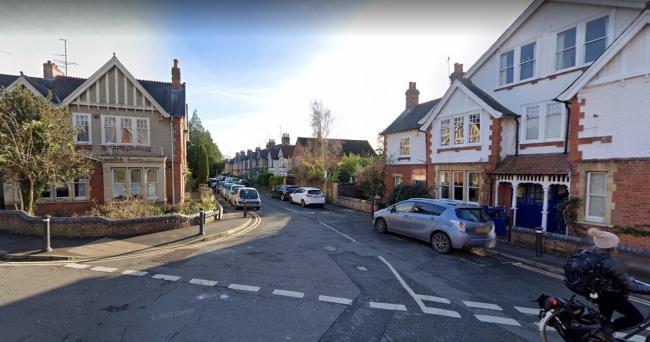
[
  {"x": 81, "y": 187},
  {"x": 596, "y": 196},
  {"x": 404, "y": 207},
  {"x": 473, "y": 187},
  {"x": 126, "y": 131},
  {"x": 553, "y": 121},
  {"x": 474, "y": 128},
  {"x": 131, "y": 131},
  {"x": 566, "y": 49},
  {"x": 459, "y": 182},
  {"x": 404, "y": 147},
  {"x": 428, "y": 209},
  {"x": 143, "y": 131},
  {"x": 507, "y": 67},
  {"x": 119, "y": 182},
  {"x": 82, "y": 124},
  {"x": 527, "y": 61},
  {"x": 444, "y": 132},
  {"x": 47, "y": 193},
  {"x": 595, "y": 38},
  {"x": 459, "y": 130},
  {"x": 110, "y": 130},
  {"x": 136, "y": 182},
  {"x": 397, "y": 180},
  {"x": 532, "y": 122},
  {"x": 62, "y": 190},
  {"x": 443, "y": 184}
]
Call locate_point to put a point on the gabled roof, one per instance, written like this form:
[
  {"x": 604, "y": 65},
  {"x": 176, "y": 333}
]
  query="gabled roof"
[
  {"x": 264, "y": 154},
  {"x": 409, "y": 118},
  {"x": 534, "y": 164},
  {"x": 612, "y": 51},
  {"x": 273, "y": 151},
  {"x": 348, "y": 146},
  {"x": 484, "y": 100},
  {"x": 287, "y": 150}
]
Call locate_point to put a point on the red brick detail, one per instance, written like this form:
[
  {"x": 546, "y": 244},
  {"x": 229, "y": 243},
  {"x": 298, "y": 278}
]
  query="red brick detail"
[
  {"x": 84, "y": 146},
  {"x": 97, "y": 183},
  {"x": 124, "y": 148},
  {"x": 406, "y": 171},
  {"x": 573, "y": 152},
  {"x": 631, "y": 194},
  {"x": 542, "y": 144},
  {"x": 458, "y": 149},
  {"x": 179, "y": 160},
  {"x": 63, "y": 208},
  {"x": 606, "y": 139},
  {"x": 496, "y": 129}
]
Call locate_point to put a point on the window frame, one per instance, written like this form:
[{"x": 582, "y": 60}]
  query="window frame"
[
  {"x": 546, "y": 121},
  {"x": 581, "y": 35},
  {"x": 606, "y": 37},
  {"x": 526, "y": 120},
  {"x": 405, "y": 143},
  {"x": 401, "y": 180},
  {"x": 445, "y": 124},
  {"x": 447, "y": 185},
  {"x": 533, "y": 61},
  {"x": 469, "y": 186},
  {"x": 469, "y": 128},
  {"x": 118, "y": 130},
  {"x": 454, "y": 186},
  {"x": 576, "y": 46},
  {"x": 463, "y": 126},
  {"x": 588, "y": 196},
  {"x": 506, "y": 68},
  {"x": 90, "y": 129},
  {"x": 86, "y": 181}
]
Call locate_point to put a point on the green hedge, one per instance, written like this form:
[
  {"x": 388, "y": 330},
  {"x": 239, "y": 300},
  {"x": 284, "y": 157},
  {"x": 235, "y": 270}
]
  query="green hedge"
[
  {"x": 276, "y": 180},
  {"x": 405, "y": 191}
]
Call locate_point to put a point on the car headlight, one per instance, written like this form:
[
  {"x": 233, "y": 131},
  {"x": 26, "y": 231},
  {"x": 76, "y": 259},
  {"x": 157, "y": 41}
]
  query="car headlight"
[{"x": 459, "y": 224}]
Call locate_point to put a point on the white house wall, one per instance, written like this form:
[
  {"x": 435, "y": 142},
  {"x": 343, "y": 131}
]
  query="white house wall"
[{"x": 417, "y": 141}]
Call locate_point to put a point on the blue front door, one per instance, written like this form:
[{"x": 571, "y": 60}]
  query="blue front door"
[
  {"x": 530, "y": 199},
  {"x": 557, "y": 194}
]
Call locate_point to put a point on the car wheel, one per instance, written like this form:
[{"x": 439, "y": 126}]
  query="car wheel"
[
  {"x": 282, "y": 198},
  {"x": 302, "y": 203},
  {"x": 381, "y": 226},
  {"x": 441, "y": 243}
]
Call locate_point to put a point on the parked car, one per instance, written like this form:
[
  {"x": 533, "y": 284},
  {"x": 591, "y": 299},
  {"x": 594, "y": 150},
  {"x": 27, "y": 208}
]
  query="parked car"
[
  {"x": 244, "y": 182},
  {"x": 212, "y": 182},
  {"x": 283, "y": 191},
  {"x": 307, "y": 196},
  {"x": 442, "y": 223},
  {"x": 232, "y": 190},
  {"x": 246, "y": 196},
  {"x": 225, "y": 188}
]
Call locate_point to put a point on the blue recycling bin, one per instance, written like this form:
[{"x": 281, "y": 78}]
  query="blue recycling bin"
[{"x": 499, "y": 216}]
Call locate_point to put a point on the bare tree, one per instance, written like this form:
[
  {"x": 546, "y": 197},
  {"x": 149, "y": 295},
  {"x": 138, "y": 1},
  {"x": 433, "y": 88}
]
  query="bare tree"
[{"x": 321, "y": 120}]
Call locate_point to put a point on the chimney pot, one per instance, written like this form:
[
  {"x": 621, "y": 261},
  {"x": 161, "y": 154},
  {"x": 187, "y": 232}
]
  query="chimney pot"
[
  {"x": 285, "y": 139},
  {"x": 412, "y": 96},
  {"x": 176, "y": 75},
  {"x": 458, "y": 72},
  {"x": 51, "y": 70}
]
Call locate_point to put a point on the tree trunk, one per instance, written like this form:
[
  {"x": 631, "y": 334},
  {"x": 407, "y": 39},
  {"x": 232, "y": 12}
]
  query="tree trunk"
[{"x": 30, "y": 203}]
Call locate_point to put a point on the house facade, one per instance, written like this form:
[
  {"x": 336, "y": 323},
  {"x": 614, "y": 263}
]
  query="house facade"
[
  {"x": 554, "y": 108},
  {"x": 135, "y": 131}
]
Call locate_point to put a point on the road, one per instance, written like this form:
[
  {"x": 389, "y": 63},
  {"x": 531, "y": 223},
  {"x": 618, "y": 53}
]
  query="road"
[{"x": 303, "y": 275}]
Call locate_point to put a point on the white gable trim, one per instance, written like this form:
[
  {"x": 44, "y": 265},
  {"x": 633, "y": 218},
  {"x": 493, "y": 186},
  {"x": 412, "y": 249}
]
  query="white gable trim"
[
  {"x": 22, "y": 80},
  {"x": 457, "y": 85},
  {"x": 607, "y": 56},
  {"x": 113, "y": 62}
]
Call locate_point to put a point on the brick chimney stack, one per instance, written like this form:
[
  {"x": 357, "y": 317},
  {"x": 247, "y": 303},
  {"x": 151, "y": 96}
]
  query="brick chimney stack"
[
  {"x": 285, "y": 139},
  {"x": 412, "y": 96},
  {"x": 270, "y": 144},
  {"x": 257, "y": 149},
  {"x": 176, "y": 75},
  {"x": 51, "y": 70},
  {"x": 458, "y": 72},
  {"x": 242, "y": 153}
]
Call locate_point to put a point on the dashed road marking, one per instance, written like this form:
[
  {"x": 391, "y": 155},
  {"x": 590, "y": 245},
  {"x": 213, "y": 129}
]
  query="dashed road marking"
[
  {"x": 77, "y": 266},
  {"x": 287, "y": 293},
  {"x": 440, "y": 312},
  {"x": 342, "y": 234},
  {"x": 330, "y": 248},
  {"x": 241, "y": 287},
  {"x": 134, "y": 273},
  {"x": 362, "y": 268},
  {"x": 203, "y": 282},
  {"x": 337, "y": 300},
  {"x": 103, "y": 269},
  {"x": 497, "y": 320},
  {"x": 166, "y": 277},
  {"x": 434, "y": 299},
  {"x": 293, "y": 211},
  {"x": 527, "y": 311},
  {"x": 388, "y": 306},
  {"x": 482, "y": 305}
]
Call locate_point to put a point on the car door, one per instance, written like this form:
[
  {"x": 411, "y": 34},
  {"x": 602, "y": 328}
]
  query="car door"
[
  {"x": 398, "y": 219},
  {"x": 425, "y": 216},
  {"x": 296, "y": 195}
]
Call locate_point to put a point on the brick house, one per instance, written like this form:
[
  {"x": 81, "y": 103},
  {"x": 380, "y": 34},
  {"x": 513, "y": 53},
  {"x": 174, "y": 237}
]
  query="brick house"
[
  {"x": 343, "y": 147},
  {"x": 556, "y": 107},
  {"x": 136, "y": 131}
]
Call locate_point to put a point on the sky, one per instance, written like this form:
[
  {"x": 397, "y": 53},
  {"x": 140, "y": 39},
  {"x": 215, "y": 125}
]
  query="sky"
[{"x": 252, "y": 68}]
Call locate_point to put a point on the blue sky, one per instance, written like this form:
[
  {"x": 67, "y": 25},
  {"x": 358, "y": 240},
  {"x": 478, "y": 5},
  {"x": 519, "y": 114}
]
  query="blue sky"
[{"x": 252, "y": 67}]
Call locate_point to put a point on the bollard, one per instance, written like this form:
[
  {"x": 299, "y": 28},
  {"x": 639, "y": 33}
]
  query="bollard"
[
  {"x": 245, "y": 208},
  {"x": 46, "y": 234},
  {"x": 201, "y": 222},
  {"x": 539, "y": 247}
]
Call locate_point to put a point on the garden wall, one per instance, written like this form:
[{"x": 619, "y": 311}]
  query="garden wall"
[
  {"x": 355, "y": 203},
  {"x": 19, "y": 222}
]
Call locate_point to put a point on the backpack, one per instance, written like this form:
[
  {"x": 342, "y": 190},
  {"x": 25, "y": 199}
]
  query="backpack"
[{"x": 582, "y": 273}]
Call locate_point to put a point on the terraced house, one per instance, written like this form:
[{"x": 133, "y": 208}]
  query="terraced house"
[
  {"x": 554, "y": 108},
  {"x": 135, "y": 129}
]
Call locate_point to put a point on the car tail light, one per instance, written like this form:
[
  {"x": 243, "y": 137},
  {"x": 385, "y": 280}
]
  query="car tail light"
[{"x": 459, "y": 224}]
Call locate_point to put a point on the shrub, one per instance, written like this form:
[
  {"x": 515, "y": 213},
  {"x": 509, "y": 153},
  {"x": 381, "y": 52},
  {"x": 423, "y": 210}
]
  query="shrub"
[
  {"x": 127, "y": 209},
  {"x": 189, "y": 208},
  {"x": 264, "y": 179},
  {"x": 405, "y": 191},
  {"x": 276, "y": 180}
]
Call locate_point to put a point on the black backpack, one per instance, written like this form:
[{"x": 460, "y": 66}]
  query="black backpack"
[{"x": 582, "y": 272}]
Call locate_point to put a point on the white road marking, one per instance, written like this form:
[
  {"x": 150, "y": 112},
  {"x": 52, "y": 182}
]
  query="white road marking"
[
  {"x": 635, "y": 338},
  {"x": 329, "y": 248},
  {"x": 362, "y": 268},
  {"x": 388, "y": 306},
  {"x": 342, "y": 234},
  {"x": 434, "y": 299},
  {"x": 103, "y": 269},
  {"x": 204, "y": 282},
  {"x": 337, "y": 300},
  {"x": 134, "y": 273},
  {"x": 77, "y": 266},
  {"x": 287, "y": 293},
  {"x": 497, "y": 320},
  {"x": 482, "y": 305},
  {"x": 166, "y": 277},
  {"x": 553, "y": 275},
  {"x": 548, "y": 328},
  {"x": 527, "y": 311},
  {"x": 419, "y": 301},
  {"x": 241, "y": 287},
  {"x": 293, "y": 211}
]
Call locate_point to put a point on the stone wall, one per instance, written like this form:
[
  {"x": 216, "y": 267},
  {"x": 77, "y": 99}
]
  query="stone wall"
[
  {"x": 355, "y": 203},
  {"x": 18, "y": 222}
]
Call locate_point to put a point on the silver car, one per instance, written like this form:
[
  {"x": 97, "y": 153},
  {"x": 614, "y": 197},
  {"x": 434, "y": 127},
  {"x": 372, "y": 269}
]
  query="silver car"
[{"x": 442, "y": 223}]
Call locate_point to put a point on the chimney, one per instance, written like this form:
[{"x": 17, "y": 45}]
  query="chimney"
[
  {"x": 242, "y": 153},
  {"x": 458, "y": 72},
  {"x": 237, "y": 154},
  {"x": 51, "y": 70},
  {"x": 412, "y": 96},
  {"x": 176, "y": 75},
  {"x": 257, "y": 149},
  {"x": 285, "y": 139},
  {"x": 270, "y": 144}
]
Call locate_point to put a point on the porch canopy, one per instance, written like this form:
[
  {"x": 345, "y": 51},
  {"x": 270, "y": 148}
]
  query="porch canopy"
[{"x": 545, "y": 170}]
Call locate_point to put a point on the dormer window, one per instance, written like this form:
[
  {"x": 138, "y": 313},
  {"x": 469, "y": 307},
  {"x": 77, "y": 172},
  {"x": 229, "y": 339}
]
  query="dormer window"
[
  {"x": 507, "y": 67},
  {"x": 566, "y": 49},
  {"x": 595, "y": 38}
]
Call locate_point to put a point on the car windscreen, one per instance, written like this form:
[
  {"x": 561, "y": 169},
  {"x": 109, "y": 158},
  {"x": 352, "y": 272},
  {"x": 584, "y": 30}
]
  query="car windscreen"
[
  {"x": 472, "y": 214},
  {"x": 314, "y": 192},
  {"x": 248, "y": 194}
]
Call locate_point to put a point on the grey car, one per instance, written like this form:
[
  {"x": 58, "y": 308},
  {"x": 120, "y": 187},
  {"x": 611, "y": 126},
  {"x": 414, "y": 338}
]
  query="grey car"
[{"x": 442, "y": 223}]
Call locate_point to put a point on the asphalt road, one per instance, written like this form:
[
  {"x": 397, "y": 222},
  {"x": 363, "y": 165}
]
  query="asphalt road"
[{"x": 302, "y": 275}]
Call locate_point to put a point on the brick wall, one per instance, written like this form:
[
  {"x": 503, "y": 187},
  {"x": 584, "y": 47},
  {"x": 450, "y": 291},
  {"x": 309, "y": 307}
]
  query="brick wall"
[
  {"x": 355, "y": 203},
  {"x": 179, "y": 160},
  {"x": 406, "y": 171}
]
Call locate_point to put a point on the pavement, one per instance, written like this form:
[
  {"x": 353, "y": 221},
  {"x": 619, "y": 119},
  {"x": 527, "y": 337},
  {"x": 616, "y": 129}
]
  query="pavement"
[{"x": 302, "y": 274}]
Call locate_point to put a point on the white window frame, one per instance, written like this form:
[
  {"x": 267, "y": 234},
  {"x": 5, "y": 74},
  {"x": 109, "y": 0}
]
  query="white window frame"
[
  {"x": 504, "y": 69},
  {"x": 464, "y": 129},
  {"x": 405, "y": 143},
  {"x": 469, "y": 130},
  {"x": 448, "y": 186},
  {"x": 516, "y": 78},
  {"x": 585, "y": 42},
  {"x": 542, "y": 121},
  {"x": 452, "y": 194},
  {"x": 577, "y": 47},
  {"x": 581, "y": 33},
  {"x": 467, "y": 186},
  {"x": 118, "y": 128},
  {"x": 445, "y": 124},
  {"x": 401, "y": 180},
  {"x": 588, "y": 198},
  {"x": 562, "y": 123},
  {"x": 90, "y": 129},
  {"x": 539, "y": 122},
  {"x": 534, "y": 61},
  {"x": 86, "y": 180}
]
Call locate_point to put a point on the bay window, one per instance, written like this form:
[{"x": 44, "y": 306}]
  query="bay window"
[
  {"x": 527, "y": 61},
  {"x": 459, "y": 184},
  {"x": 136, "y": 182},
  {"x": 152, "y": 183},
  {"x": 445, "y": 132},
  {"x": 595, "y": 38},
  {"x": 131, "y": 131},
  {"x": 119, "y": 182},
  {"x": 126, "y": 131},
  {"x": 82, "y": 125},
  {"x": 443, "y": 184},
  {"x": 566, "y": 49},
  {"x": 596, "y": 196},
  {"x": 473, "y": 187},
  {"x": 110, "y": 130},
  {"x": 507, "y": 67}
]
